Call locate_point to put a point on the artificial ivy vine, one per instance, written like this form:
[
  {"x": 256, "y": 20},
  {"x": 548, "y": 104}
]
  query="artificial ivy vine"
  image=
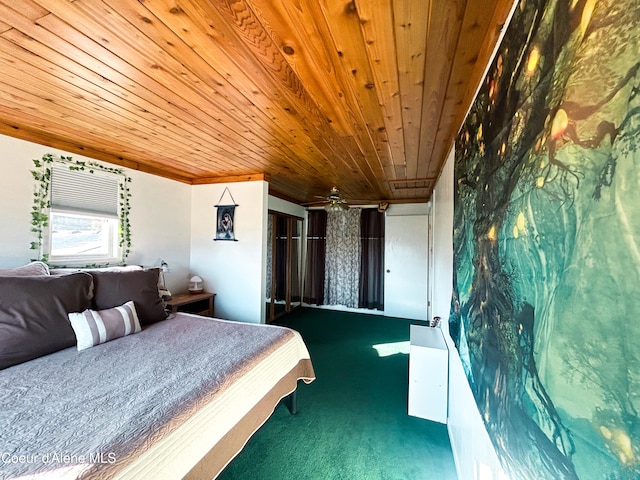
[{"x": 42, "y": 200}]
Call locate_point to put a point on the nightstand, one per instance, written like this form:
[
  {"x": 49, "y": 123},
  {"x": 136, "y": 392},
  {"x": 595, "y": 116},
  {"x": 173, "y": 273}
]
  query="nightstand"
[{"x": 198, "y": 303}]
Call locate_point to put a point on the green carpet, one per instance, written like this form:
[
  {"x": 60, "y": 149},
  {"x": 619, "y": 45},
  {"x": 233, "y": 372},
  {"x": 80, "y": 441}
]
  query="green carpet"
[{"x": 352, "y": 422}]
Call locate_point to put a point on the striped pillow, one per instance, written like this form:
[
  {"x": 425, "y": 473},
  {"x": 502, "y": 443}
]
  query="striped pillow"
[{"x": 95, "y": 327}]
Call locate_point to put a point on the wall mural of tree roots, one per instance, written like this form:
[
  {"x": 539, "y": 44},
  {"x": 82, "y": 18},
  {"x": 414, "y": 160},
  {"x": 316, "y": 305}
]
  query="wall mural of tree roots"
[{"x": 547, "y": 242}]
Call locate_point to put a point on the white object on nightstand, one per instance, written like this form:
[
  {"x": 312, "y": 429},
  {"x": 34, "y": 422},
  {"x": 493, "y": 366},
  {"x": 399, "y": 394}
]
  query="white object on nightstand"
[{"x": 428, "y": 374}]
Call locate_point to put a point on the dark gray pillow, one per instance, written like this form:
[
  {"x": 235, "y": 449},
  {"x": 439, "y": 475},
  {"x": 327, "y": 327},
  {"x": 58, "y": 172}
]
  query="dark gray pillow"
[
  {"x": 34, "y": 314},
  {"x": 112, "y": 289}
]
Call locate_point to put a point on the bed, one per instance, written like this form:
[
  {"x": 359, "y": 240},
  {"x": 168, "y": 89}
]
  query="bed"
[{"x": 178, "y": 399}]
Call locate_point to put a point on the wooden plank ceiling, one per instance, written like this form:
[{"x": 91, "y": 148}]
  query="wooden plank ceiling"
[{"x": 366, "y": 95}]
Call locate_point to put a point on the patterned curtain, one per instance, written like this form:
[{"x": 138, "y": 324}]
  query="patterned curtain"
[{"x": 342, "y": 272}]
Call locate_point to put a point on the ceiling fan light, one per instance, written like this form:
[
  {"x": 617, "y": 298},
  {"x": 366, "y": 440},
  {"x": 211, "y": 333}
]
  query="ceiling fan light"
[{"x": 336, "y": 206}]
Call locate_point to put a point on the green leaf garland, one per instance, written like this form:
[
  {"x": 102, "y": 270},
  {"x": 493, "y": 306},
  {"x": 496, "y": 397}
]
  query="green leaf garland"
[{"x": 42, "y": 202}]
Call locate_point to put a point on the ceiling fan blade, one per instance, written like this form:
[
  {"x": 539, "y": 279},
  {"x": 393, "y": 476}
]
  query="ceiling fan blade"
[{"x": 335, "y": 197}]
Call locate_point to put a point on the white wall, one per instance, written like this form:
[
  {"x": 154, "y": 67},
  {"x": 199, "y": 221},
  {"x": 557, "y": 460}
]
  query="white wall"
[
  {"x": 279, "y": 205},
  {"x": 472, "y": 448},
  {"x": 170, "y": 220},
  {"x": 161, "y": 226},
  {"x": 235, "y": 271},
  {"x": 403, "y": 209},
  {"x": 159, "y": 213},
  {"x": 442, "y": 228},
  {"x": 16, "y": 198}
]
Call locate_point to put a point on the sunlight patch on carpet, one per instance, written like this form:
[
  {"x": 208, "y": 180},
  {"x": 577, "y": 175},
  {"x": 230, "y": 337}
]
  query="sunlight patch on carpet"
[{"x": 388, "y": 349}]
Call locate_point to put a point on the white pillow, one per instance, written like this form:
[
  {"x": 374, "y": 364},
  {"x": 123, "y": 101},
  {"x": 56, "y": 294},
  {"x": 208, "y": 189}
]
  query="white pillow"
[{"x": 95, "y": 327}]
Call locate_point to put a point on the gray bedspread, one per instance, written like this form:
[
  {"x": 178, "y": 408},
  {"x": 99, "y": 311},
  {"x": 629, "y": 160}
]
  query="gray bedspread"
[{"x": 103, "y": 406}]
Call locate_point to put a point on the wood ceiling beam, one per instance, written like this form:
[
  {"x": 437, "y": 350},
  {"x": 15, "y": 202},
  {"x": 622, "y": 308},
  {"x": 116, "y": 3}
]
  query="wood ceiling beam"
[{"x": 231, "y": 179}]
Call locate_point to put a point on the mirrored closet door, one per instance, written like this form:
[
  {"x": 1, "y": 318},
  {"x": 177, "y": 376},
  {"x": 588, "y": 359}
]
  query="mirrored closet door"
[{"x": 284, "y": 257}]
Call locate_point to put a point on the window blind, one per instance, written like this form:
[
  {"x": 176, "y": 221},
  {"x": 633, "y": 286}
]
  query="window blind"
[{"x": 82, "y": 191}]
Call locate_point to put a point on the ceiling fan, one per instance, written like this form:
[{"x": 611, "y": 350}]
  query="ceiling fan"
[{"x": 334, "y": 201}]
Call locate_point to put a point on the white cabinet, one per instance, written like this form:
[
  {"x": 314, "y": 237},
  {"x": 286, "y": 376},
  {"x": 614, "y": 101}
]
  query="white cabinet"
[{"x": 428, "y": 374}]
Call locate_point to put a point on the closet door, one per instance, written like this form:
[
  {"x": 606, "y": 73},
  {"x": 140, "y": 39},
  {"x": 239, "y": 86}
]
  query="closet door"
[
  {"x": 283, "y": 264},
  {"x": 295, "y": 258}
]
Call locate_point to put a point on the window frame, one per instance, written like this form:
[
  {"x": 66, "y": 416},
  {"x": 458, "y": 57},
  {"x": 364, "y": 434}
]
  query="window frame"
[
  {"x": 42, "y": 210},
  {"x": 114, "y": 249}
]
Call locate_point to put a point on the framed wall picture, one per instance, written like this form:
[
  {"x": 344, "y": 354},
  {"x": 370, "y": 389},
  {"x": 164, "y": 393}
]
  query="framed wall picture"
[
  {"x": 224, "y": 224},
  {"x": 225, "y": 217}
]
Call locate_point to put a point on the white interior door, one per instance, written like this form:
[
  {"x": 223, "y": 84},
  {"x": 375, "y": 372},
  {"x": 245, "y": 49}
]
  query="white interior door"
[{"x": 405, "y": 261}]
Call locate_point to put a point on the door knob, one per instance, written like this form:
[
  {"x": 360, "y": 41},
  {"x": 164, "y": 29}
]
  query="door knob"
[{"x": 388, "y": 271}]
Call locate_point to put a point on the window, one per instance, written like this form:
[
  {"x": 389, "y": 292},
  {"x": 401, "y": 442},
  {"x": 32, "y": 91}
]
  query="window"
[
  {"x": 84, "y": 216},
  {"x": 85, "y": 236},
  {"x": 80, "y": 213}
]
